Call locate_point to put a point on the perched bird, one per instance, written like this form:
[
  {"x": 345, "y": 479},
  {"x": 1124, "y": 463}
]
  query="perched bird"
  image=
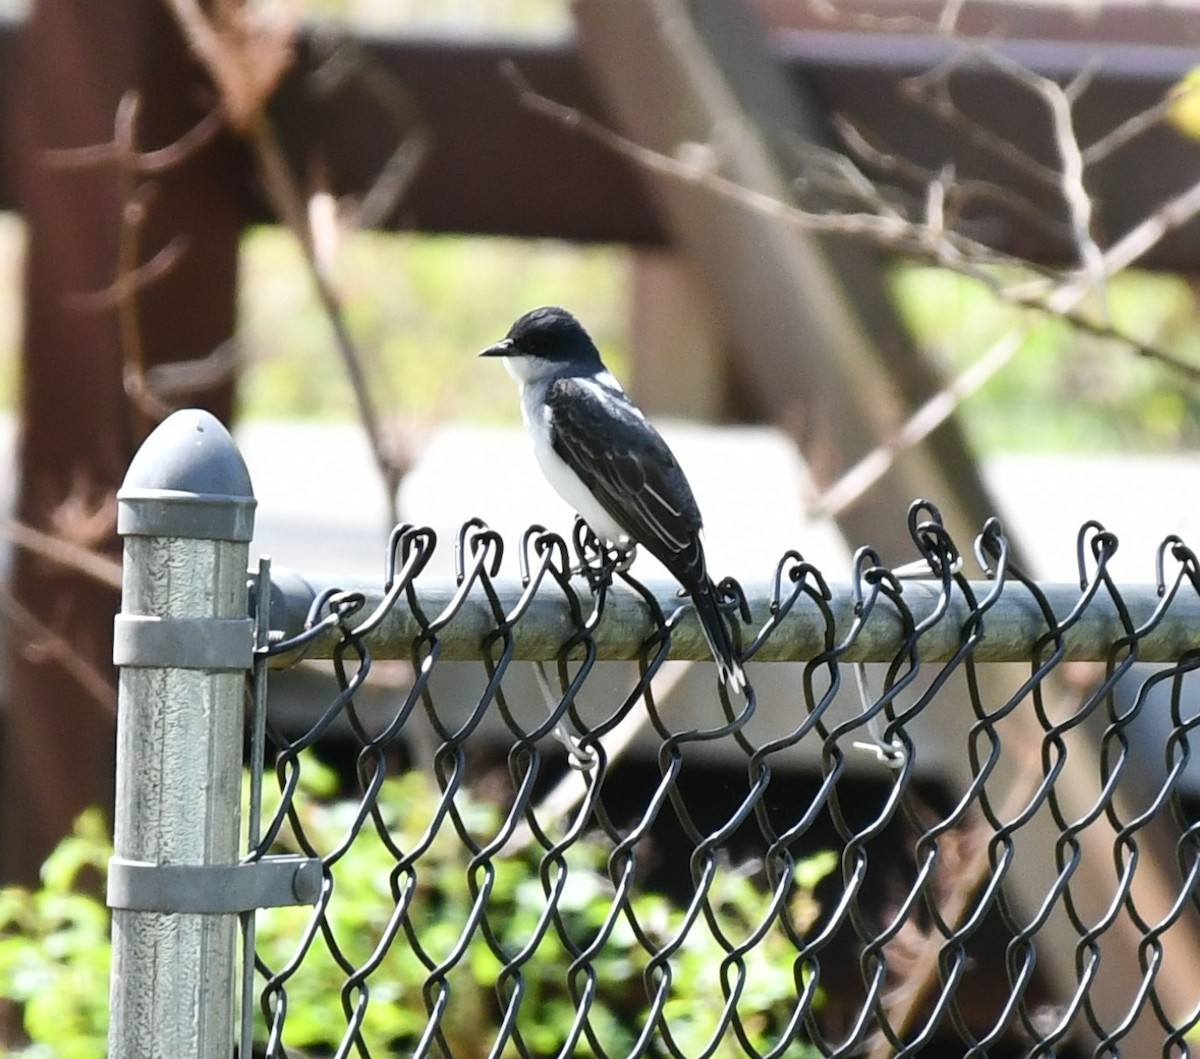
[{"x": 603, "y": 457}]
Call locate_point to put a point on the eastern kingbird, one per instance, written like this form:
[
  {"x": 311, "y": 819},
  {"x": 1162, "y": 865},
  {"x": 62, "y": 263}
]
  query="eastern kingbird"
[{"x": 603, "y": 457}]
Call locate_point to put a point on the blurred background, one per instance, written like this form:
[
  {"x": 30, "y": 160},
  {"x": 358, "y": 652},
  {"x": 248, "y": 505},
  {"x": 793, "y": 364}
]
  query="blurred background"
[{"x": 309, "y": 217}]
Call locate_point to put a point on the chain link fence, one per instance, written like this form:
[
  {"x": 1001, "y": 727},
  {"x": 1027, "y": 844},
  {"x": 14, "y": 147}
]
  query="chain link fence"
[{"x": 950, "y": 817}]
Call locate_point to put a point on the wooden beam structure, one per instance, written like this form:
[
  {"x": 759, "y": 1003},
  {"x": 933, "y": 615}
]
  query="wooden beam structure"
[
  {"x": 490, "y": 159},
  {"x": 489, "y": 155}
]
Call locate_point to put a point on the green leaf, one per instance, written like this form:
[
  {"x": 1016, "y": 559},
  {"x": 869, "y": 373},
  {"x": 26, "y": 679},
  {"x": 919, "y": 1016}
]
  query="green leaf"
[{"x": 1184, "y": 109}]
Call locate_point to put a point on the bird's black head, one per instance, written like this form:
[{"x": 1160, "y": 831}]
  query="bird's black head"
[{"x": 548, "y": 334}]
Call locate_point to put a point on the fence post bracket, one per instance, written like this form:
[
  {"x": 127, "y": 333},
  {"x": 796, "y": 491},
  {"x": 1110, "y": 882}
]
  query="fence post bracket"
[
  {"x": 272, "y": 882},
  {"x": 214, "y": 644}
]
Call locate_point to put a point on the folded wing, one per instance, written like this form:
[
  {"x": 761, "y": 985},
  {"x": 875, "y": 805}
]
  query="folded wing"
[{"x": 630, "y": 470}]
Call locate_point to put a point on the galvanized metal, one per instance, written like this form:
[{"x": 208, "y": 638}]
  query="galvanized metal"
[
  {"x": 179, "y": 735},
  {"x": 1012, "y": 629},
  {"x": 1049, "y": 839}
]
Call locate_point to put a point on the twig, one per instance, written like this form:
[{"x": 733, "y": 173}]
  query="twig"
[
  {"x": 933, "y": 243},
  {"x": 1071, "y": 180},
  {"x": 246, "y": 63},
  {"x": 890, "y": 232},
  {"x": 132, "y": 276},
  {"x": 245, "y": 56},
  {"x": 1062, "y": 302},
  {"x": 148, "y": 163},
  {"x": 947, "y": 23},
  {"x": 1135, "y": 243},
  {"x": 920, "y": 976},
  {"x": 838, "y": 174},
  {"x": 962, "y": 193},
  {"x": 286, "y": 200},
  {"x": 41, "y": 643},
  {"x": 931, "y": 89},
  {"x": 190, "y": 376},
  {"x": 1130, "y": 129},
  {"x": 930, "y": 415},
  {"x": 1068, "y": 178},
  {"x": 345, "y": 63},
  {"x": 129, "y": 282},
  {"x": 66, "y": 553}
]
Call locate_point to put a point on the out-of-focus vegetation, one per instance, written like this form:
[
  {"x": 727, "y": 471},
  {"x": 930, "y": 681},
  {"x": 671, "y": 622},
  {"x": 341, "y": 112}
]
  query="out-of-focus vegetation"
[
  {"x": 420, "y": 308},
  {"x": 1065, "y": 391},
  {"x": 55, "y": 952},
  {"x": 12, "y": 261},
  {"x": 1184, "y": 114},
  {"x": 468, "y": 16},
  {"x": 54, "y": 948}
]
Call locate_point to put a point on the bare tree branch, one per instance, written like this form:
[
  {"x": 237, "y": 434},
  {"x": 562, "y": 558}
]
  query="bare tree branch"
[
  {"x": 930, "y": 240},
  {"x": 966, "y": 866},
  {"x": 118, "y": 151},
  {"x": 41, "y": 643},
  {"x": 1130, "y": 129},
  {"x": 892, "y": 232},
  {"x": 65, "y": 553},
  {"x": 288, "y": 203},
  {"x": 133, "y": 275},
  {"x": 190, "y": 376},
  {"x": 246, "y": 51},
  {"x": 1071, "y": 179},
  {"x": 345, "y": 64},
  {"x": 961, "y": 194},
  {"x": 128, "y": 283},
  {"x": 932, "y": 91},
  {"x": 246, "y": 62}
]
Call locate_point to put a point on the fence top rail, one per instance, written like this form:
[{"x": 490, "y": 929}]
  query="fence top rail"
[{"x": 1006, "y": 622}]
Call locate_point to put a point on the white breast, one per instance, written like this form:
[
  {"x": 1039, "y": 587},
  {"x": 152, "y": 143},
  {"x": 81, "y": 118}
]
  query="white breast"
[{"x": 564, "y": 480}]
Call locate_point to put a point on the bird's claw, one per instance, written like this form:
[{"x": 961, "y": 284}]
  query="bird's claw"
[
  {"x": 610, "y": 562},
  {"x": 623, "y": 559}
]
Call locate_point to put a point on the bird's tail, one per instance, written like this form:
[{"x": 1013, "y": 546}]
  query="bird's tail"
[{"x": 716, "y": 632}]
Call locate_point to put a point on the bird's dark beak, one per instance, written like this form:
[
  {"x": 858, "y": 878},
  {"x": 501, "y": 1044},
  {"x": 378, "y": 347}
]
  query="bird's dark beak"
[{"x": 503, "y": 348}]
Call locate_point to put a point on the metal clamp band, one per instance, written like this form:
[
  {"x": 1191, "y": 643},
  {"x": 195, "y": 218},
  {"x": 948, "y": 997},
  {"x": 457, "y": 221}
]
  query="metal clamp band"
[
  {"x": 183, "y": 643},
  {"x": 171, "y": 513},
  {"x": 272, "y": 882}
]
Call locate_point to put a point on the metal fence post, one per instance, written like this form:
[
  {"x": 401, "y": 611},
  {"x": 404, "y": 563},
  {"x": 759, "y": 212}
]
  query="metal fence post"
[{"x": 183, "y": 642}]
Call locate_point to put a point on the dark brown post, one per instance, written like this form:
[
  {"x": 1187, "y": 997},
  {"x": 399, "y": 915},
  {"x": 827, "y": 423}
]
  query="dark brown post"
[{"x": 79, "y": 429}]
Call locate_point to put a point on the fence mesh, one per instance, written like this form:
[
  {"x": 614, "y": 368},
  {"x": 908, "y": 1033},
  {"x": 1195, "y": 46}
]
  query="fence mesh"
[{"x": 886, "y": 857}]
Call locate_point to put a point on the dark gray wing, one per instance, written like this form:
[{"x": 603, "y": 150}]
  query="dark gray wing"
[{"x": 627, "y": 466}]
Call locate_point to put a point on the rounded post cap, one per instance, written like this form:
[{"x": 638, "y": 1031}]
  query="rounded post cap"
[{"x": 187, "y": 480}]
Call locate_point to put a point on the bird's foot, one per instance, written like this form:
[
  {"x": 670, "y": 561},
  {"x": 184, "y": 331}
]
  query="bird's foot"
[
  {"x": 623, "y": 558},
  {"x": 610, "y": 562}
]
